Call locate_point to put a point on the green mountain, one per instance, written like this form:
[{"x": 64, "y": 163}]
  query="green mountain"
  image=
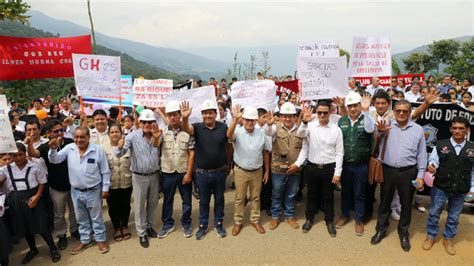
[{"x": 24, "y": 91}]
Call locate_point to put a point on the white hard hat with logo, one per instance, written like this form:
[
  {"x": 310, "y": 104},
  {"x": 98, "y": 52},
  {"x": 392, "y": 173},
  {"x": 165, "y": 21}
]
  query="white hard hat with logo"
[
  {"x": 208, "y": 105},
  {"x": 147, "y": 115},
  {"x": 352, "y": 98},
  {"x": 288, "y": 109},
  {"x": 172, "y": 106},
  {"x": 250, "y": 113}
]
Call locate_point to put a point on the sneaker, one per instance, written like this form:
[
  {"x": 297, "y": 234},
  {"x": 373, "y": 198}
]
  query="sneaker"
[
  {"x": 449, "y": 246},
  {"x": 341, "y": 222},
  {"x": 62, "y": 242},
  {"x": 419, "y": 207},
  {"x": 188, "y": 231},
  {"x": 221, "y": 232},
  {"x": 165, "y": 231},
  {"x": 395, "y": 216},
  {"x": 428, "y": 243},
  {"x": 201, "y": 233}
]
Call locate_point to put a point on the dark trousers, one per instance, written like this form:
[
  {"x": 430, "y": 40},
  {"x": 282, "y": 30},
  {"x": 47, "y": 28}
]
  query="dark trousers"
[
  {"x": 354, "y": 184},
  {"x": 400, "y": 180},
  {"x": 369, "y": 201},
  {"x": 119, "y": 206},
  {"x": 170, "y": 183},
  {"x": 209, "y": 184},
  {"x": 320, "y": 191},
  {"x": 266, "y": 195}
]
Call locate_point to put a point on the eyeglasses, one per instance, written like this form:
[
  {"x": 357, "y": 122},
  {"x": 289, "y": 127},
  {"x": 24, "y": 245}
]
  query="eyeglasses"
[
  {"x": 322, "y": 113},
  {"x": 147, "y": 122},
  {"x": 58, "y": 131},
  {"x": 402, "y": 111}
]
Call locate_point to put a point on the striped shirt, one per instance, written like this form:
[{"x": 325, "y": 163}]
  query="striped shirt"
[{"x": 145, "y": 157}]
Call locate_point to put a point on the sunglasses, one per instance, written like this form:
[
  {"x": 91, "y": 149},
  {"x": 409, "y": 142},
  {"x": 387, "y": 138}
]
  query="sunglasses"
[
  {"x": 402, "y": 111},
  {"x": 322, "y": 113},
  {"x": 147, "y": 122},
  {"x": 58, "y": 131}
]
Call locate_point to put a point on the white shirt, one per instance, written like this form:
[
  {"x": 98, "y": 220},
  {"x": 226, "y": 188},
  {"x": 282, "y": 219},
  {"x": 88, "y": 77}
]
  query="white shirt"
[
  {"x": 322, "y": 145},
  {"x": 370, "y": 89},
  {"x": 100, "y": 138},
  {"x": 35, "y": 177},
  {"x": 411, "y": 97}
]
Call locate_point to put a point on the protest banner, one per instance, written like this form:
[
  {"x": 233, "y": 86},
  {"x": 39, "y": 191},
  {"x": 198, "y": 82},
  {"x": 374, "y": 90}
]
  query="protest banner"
[
  {"x": 6, "y": 134},
  {"x": 125, "y": 91},
  {"x": 256, "y": 93},
  {"x": 195, "y": 97},
  {"x": 322, "y": 77},
  {"x": 385, "y": 81},
  {"x": 33, "y": 58},
  {"x": 370, "y": 57},
  {"x": 329, "y": 48},
  {"x": 97, "y": 75},
  {"x": 151, "y": 92},
  {"x": 291, "y": 86}
]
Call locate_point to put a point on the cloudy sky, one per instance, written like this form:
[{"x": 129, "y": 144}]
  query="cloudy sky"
[{"x": 186, "y": 24}]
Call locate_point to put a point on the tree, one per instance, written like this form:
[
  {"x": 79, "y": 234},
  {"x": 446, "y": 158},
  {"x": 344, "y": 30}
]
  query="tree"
[
  {"x": 395, "y": 68},
  {"x": 443, "y": 52},
  {"x": 462, "y": 65},
  {"x": 250, "y": 67},
  {"x": 343, "y": 52},
  {"x": 417, "y": 62},
  {"x": 94, "y": 47},
  {"x": 265, "y": 64},
  {"x": 14, "y": 10}
]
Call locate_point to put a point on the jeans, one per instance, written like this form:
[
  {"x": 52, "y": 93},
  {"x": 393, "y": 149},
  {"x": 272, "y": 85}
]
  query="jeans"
[
  {"x": 170, "y": 182},
  {"x": 455, "y": 205},
  {"x": 88, "y": 209},
  {"x": 208, "y": 184},
  {"x": 354, "y": 185},
  {"x": 284, "y": 189}
]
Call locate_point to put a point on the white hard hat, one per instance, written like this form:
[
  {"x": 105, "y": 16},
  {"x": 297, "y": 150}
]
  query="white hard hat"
[
  {"x": 288, "y": 109},
  {"x": 172, "y": 106},
  {"x": 250, "y": 113},
  {"x": 352, "y": 98},
  {"x": 208, "y": 105},
  {"x": 147, "y": 115}
]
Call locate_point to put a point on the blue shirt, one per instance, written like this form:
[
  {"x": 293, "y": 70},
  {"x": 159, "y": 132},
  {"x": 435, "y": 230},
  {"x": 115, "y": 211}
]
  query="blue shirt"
[
  {"x": 406, "y": 146},
  {"x": 434, "y": 158},
  {"x": 86, "y": 172},
  {"x": 249, "y": 147},
  {"x": 444, "y": 88}
]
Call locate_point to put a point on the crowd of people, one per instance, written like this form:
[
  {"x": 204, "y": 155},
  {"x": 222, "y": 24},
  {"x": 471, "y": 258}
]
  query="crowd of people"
[{"x": 72, "y": 157}]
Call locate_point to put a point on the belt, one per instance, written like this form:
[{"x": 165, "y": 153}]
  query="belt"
[
  {"x": 250, "y": 170},
  {"x": 401, "y": 169},
  {"x": 322, "y": 166},
  {"x": 87, "y": 189},
  {"x": 215, "y": 170},
  {"x": 145, "y": 174}
]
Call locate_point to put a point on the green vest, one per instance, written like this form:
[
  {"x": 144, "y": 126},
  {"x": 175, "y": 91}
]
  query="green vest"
[{"x": 356, "y": 140}]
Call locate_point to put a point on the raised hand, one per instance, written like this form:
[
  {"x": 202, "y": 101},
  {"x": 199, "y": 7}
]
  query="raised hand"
[
  {"x": 432, "y": 96},
  {"x": 339, "y": 101},
  {"x": 236, "y": 113},
  {"x": 307, "y": 113},
  {"x": 382, "y": 127},
  {"x": 53, "y": 144},
  {"x": 27, "y": 139},
  {"x": 185, "y": 109},
  {"x": 155, "y": 130},
  {"x": 365, "y": 102},
  {"x": 270, "y": 119},
  {"x": 121, "y": 142}
]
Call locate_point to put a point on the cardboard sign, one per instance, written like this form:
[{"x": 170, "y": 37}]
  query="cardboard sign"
[
  {"x": 152, "y": 92},
  {"x": 370, "y": 57},
  {"x": 125, "y": 90},
  {"x": 322, "y": 77},
  {"x": 328, "y": 48},
  {"x": 97, "y": 75},
  {"x": 256, "y": 93},
  {"x": 195, "y": 97},
  {"x": 6, "y": 134}
]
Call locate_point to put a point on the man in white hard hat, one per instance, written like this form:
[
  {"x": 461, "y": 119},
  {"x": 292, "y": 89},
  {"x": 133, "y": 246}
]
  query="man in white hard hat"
[
  {"x": 177, "y": 159},
  {"x": 357, "y": 128},
  {"x": 251, "y": 149},
  {"x": 286, "y": 146},
  {"x": 212, "y": 163},
  {"x": 144, "y": 145}
]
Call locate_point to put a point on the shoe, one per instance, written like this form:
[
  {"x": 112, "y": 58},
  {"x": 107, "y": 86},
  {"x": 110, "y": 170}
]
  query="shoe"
[
  {"x": 144, "y": 241},
  {"x": 151, "y": 233},
  {"x": 258, "y": 227},
  {"x": 428, "y": 243},
  {"x": 81, "y": 247},
  {"x": 307, "y": 226},
  {"x": 405, "y": 243},
  {"x": 449, "y": 246},
  {"x": 377, "y": 238},
  {"x": 359, "y": 228},
  {"x": 55, "y": 256},
  {"x": 165, "y": 231},
  {"x": 293, "y": 223},
  {"x": 187, "y": 231},
  {"x": 221, "y": 232},
  {"x": 103, "y": 247},
  {"x": 395, "y": 216},
  {"x": 62, "y": 242},
  {"x": 29, "y": 256},
  {"x": 236, "y": 229},
  {"x": 419, "y": 207},
  {"x": 76, "y": 235},
  {"x": 274, "y": 224},
  {"x": 341, "y": 222},
  {"x": 331, "y": 229},
  {"x": 201, "y": 233}
]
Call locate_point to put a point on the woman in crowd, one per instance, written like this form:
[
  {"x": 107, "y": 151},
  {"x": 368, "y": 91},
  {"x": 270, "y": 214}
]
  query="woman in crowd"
[
  {"x": 454, "y": 95},
  {"x": 54, "y": 112},
  {"x": 466, "y": 100}
]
